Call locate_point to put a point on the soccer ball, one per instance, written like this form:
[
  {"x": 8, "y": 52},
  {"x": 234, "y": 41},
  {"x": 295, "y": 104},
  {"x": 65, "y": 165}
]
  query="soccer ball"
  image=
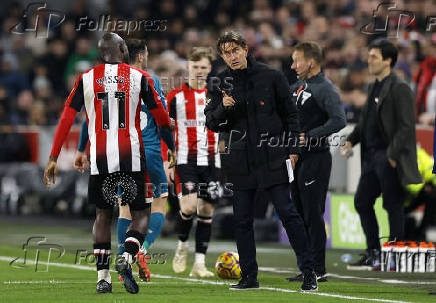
[{"x": 227, "y": 266}]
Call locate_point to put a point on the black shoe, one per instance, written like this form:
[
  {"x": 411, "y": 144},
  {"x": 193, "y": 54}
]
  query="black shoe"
[
  {"x": 370, "y": 261},
  {"x": 299, "y": 278},
  {"x": 245, "y": 284},
  {"x": 321, "y": 277},
  {"x": 309, "y": 282},
  {"x": 104, "y": 287},
  {"x": 125, "y": 271}
]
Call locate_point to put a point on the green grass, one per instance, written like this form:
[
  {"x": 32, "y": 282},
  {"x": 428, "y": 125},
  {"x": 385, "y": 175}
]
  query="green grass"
[{"x": 21, "y": 283}]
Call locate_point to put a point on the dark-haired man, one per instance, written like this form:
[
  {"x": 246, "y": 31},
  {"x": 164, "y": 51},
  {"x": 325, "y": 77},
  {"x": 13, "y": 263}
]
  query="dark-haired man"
[
  {"x": 253, "y": 111},
  {"x": 386, "y": 132},
  {"x": 321, "y": 114}
]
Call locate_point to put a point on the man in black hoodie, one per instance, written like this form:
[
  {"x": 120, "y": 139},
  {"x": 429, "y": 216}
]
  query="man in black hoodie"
[{"x": 250, "y": 105}]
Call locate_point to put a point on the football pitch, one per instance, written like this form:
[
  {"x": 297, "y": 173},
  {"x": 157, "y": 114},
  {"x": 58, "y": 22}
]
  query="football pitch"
[{"x": 71, "y": 277}]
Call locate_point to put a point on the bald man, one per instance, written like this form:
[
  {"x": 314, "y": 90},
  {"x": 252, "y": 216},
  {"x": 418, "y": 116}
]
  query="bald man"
[{"x": 111, "y": 94}]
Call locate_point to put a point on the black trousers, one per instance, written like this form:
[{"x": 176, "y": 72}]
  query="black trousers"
[
  {"x": 309, "y": 191},
  {"x": 243, "y": 211},
  {"x": 379, "y": 177}
]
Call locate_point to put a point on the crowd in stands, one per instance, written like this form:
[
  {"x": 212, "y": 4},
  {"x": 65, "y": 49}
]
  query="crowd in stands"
[{"x": 37, "y": 73}]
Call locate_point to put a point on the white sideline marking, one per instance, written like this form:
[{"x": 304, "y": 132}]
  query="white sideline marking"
[
  {"x": 381, "y": 280},
  {"x": 82, "y": 267},
  {"x": 10, "y": 282}
]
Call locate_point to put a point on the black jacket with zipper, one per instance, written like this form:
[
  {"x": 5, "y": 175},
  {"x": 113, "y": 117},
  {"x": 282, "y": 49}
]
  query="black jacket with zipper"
[{"x": 259, "y": 132}]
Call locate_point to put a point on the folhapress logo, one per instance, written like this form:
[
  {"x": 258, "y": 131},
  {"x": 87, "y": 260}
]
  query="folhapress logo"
[
  {"x": 387, "y": 18},
  {"x": 39, "y": 19}
]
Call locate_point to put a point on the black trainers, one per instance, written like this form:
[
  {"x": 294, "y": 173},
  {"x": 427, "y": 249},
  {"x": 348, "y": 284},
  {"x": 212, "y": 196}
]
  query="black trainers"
[
  {"x": 245, "y": 284},
  {"x": 124, "y": 269},
  {"x": 104, "y": 287},
  {"x": 299, "y": 278},
  {"x": 370, "y": 261},
  {"x": 309, "y": 282}
]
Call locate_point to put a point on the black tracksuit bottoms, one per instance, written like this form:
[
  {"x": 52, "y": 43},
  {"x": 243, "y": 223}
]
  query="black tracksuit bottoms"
[
  {"x": 309, "y": 191},
  {"x": 243, "y": 211}
]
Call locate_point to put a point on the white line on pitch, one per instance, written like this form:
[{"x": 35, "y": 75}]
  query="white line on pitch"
[
  {"x": 382, "y": 280},
  {"x": 82, "y": 267}
]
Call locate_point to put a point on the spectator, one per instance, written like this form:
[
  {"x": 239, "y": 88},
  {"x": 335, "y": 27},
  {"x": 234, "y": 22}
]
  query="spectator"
[
  {"x": 423, "y": 78},
  {"x": 84, "y": 53},
  {"x": 55, "y": 61},
  {"x": 10, "y": 78}
]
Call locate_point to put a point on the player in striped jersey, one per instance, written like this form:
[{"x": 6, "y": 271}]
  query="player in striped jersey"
[
  {"x": 151, "y": 137},
  {"x": 197, "y": 161},
  {"x": 111, "y": 93}
]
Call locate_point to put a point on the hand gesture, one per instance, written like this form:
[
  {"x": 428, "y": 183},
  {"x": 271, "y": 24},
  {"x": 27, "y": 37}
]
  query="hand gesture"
[{"x": 228, "y": 101}]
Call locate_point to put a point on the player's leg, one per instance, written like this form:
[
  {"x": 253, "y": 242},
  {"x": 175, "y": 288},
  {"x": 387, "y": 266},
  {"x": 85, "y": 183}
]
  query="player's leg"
[
  {"x": 123, "y": 223},
  {"x": 202, "y": 239},
  {"x": 208, "y": 191},
  {"x": 101, "y": 232},
  {"x": 157, "y": 220},
  {"x": 141, "y": 257},
  {"x": 188, "y": 208},
  {"x": 140, "y": 211},
  {"x": 160, "y": 194}
]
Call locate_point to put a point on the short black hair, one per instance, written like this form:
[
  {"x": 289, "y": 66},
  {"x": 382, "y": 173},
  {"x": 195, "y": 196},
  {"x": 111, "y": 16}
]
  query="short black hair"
[
  {"x": 135, "y": 47},
  {"x": 387, "y": 49},
  {"x": 228, "y": 37},
  {"x": 311, "y": 50}
]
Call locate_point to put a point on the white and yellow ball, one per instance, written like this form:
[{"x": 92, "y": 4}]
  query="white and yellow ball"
[{"x": 227, "y": 266}]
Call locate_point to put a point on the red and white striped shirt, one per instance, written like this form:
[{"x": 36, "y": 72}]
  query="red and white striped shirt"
[
  {"x": 194, "y": 142},
  {"x": 111, "y": 94}
]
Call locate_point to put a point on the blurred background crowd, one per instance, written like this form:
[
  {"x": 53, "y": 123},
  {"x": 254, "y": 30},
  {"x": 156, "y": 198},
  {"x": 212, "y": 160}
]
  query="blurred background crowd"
[
  {"x": 36, "y": 73},
  {"x": 40, "y": 61}
]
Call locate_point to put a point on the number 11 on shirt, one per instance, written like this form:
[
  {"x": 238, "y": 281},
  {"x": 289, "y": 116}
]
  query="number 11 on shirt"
[{"x": 104, "y": 98}]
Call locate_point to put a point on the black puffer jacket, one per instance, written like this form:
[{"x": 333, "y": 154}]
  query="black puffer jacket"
[{"x": 259, "y": 133}]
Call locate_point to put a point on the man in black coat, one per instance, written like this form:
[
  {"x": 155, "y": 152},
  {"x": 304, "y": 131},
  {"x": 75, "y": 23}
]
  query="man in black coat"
[
  {"x": 386, "y": 131},
  {"x": 250, "y": 105}
]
